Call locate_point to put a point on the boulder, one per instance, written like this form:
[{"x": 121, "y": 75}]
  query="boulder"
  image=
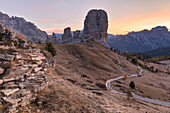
[
  {"x": 96, "y": 25},
  {"x": 8, "y": 92},
  {"x": 67, "y": 34},
  {"x": 1, "y": 71}
]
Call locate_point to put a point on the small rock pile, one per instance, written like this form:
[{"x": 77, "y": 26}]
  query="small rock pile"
[{"x": 22, "y": 74}]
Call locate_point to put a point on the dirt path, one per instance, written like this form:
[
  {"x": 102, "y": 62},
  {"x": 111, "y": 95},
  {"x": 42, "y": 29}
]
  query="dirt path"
[{"x": 108, "y": 86}]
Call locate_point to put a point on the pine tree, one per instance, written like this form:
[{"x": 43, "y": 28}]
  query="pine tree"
[
  {"x": 132, "y": 85},
  {"x": 49, "y": 47}
]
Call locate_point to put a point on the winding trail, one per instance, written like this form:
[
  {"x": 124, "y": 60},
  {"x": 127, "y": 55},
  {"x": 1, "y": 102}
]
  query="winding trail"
[{"x": 155, "y": 101}]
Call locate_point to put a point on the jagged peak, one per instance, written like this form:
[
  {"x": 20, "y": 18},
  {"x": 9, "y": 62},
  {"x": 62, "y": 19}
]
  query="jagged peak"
[{"x": 159, "y": 28}]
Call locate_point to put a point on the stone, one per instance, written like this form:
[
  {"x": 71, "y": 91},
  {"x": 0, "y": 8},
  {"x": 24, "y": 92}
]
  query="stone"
[
  {"x": 67, "y": 34},
  {"x": 10, "y": 85},
  {"x": 8, "y": 92},
  {"x": 14, "y": 53},
  {"x": 96, "y": 25},
  {"x": 7, "y": 57},
  {"x": 39, "y": 58},
  {"x": 37, "y": 69},
  {"x": 1, "y": 70},
  {"x": 18, "y": 57},
  {"x": 8, "y": 80},
  {"x": 10, "y": 100}
]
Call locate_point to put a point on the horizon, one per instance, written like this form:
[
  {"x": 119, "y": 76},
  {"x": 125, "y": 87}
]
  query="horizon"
[{"x": 124, "y": 16}]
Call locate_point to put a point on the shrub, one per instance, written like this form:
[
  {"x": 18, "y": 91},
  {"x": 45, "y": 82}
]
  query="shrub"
[
  {"x": 111, "y": 48},
  {"x": 134, "y": 61},
  {"x": 129, "y": 94},
  {"x": 132, "y": 85},
  {"x": 156, "y": 70},
  {"x": 49, "y": 47},
  {"x": 125, "y": 77}
]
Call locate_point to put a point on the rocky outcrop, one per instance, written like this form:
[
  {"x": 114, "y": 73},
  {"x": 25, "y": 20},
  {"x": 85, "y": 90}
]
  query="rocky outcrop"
[
  {"x": 22, "y": 73},
  {"x": 20, "y": 25},
  {"x": 53, "y": 38},
  {"x": 96, "y": 25},
  {"x": 77, "y": 34},
  {"x": 67, "y": 34}
]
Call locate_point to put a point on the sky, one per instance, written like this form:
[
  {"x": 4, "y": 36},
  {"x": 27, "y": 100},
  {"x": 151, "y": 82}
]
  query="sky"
[{"x": 124, "y": 15}]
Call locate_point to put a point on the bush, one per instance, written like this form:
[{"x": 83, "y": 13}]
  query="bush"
[
  {"x": 134, "y": 61},
  {"x": 49, "y": 47},
  {"x": 111, "y": 48},
  {"x": 129, "y": 94},
  {"x": 156, "y": 70},
  {"x": 125, "y": 77},
  {"x": 132, "y": 85}
]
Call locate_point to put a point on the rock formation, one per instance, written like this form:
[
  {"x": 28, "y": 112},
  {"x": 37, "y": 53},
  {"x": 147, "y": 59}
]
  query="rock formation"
[
  {"x": 53, "y": 38},
  {"x": 77, "y": 34},
  {"x": 22, "y": 72},
  {"x": 67, "y": 34},
  {"x": 96, "y": 25}
]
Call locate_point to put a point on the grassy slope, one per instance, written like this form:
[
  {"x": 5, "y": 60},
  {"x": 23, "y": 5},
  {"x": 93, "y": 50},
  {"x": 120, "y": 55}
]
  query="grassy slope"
[{"x": 85, "y": 68}]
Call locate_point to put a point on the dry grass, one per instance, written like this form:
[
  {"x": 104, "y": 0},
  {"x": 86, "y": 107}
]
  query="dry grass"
[
  {"x": 84, "y": 69},
  {"x": 21, "y": 36}
]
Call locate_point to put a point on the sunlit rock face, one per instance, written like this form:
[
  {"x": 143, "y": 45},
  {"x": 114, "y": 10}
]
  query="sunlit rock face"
[{"x": 96, "y": 25}]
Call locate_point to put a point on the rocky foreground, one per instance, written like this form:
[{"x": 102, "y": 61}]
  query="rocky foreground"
[{"x": 22, "y": 72}]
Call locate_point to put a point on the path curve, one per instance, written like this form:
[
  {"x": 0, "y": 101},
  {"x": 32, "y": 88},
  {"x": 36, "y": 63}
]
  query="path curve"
[{"x": 155, "y": 101}]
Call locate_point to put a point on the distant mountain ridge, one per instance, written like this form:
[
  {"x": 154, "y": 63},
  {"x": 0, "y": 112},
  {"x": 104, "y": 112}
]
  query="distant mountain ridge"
[
  {"x": 165, "y": 51},
  {"x": 20, "y": 25},
  {"x": 142, "y": 41}
]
